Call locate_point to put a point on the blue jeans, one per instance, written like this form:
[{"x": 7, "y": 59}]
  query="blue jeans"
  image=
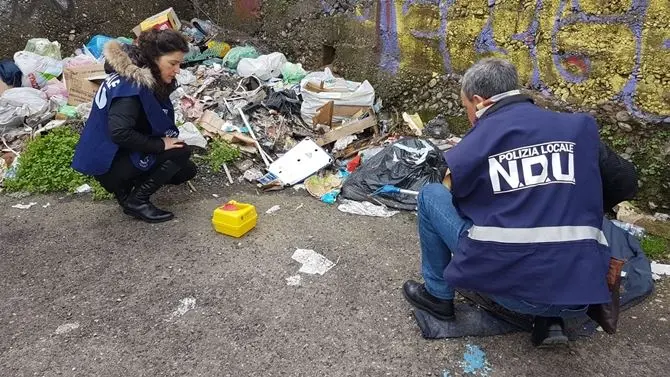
[{"x": 439, "y": 229}]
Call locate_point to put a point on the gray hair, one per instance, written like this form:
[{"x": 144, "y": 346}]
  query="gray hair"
[{"x": 488, "y": 77}]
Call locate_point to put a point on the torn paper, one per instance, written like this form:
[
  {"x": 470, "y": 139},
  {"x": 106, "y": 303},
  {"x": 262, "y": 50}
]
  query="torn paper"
[{"x": 312, "y": 262}]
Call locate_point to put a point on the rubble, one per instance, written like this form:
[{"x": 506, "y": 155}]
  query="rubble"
[{"x": 291, "y": 126}]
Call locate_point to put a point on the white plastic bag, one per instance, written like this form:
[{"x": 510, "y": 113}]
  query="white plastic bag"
[
  {"x": 186, "y": 77},
  {"x": 44, "y": 47},
  {"x": 264, "y": 67},
  {"x": 37, "y": 70},
  {"x": 338, "y": 90},
  {"x": 17, "y": 104},
  {"x": 190, "y": 134}
]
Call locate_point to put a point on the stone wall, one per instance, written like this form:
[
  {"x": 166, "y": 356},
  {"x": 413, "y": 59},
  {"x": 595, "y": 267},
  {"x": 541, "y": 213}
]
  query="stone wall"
[
  {"x": 608, "y": 57},
  {"x": 74, "y": 22}
]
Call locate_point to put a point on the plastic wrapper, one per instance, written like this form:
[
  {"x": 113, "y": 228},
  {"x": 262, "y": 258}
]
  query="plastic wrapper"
[
  {"x": 338, "y": 90},
  {"x": 44, "y": 47},
  {"x": 264, "y": 67},
  {"x": 37, "y": 70},
  {"x": 409, "y": 164},
  {"x": 293, "y": 73},
  {"x": 365, "y": 209},
  {"x": 190, "y": 134},
  {"x": 96, "y": 45},
  {"x": 236, "y": 54},
  {"x": 21, "y": 104},
  {"x": 285, "y": 102}
]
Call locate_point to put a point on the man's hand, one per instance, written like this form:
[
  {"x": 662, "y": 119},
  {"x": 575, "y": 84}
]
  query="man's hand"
[
  {"x": 447, "y": 179},
  {"x": 172, "y": 143}
]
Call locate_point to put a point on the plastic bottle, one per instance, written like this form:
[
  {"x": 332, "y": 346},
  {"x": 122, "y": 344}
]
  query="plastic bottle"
[{"x": 635, "y": 230}]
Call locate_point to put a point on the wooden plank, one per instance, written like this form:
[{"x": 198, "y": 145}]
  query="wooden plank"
[{"x": 346, "y": 130}]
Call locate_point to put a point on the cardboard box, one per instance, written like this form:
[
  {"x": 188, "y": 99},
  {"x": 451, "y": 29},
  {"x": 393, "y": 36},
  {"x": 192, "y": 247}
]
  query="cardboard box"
[
  {"x": 166, "y": 19},
  {"x": 83, "y": 82}
]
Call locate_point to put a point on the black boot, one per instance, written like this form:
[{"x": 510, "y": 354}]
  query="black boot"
[
  {"x": 418, "y": 297},
  {"x": 138, "y": 204},
  {"x": 121, "y": 195},
  {"x": 548, "y": 332}
]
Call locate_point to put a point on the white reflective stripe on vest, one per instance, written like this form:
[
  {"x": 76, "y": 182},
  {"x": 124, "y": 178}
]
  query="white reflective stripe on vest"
[{"x": 536, "y": 235}]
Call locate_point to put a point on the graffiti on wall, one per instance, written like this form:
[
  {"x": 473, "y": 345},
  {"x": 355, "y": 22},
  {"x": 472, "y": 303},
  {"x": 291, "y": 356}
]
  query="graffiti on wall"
[{"x": 590, "y": 51}]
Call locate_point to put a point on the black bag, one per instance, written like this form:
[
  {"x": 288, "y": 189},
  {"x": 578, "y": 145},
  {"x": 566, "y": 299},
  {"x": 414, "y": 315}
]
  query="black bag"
[{"x": 409, "y": 163}]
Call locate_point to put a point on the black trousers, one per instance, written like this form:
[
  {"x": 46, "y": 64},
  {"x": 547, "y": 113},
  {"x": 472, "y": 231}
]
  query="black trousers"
[{"x": 123, "y": 174}]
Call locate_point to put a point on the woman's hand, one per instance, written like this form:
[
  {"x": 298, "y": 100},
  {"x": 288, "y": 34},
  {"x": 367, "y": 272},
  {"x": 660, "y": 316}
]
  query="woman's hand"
[{"x": 172, "y": 143}]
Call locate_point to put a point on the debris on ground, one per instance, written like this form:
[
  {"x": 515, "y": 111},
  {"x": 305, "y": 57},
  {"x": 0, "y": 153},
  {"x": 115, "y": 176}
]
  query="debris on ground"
[
  {"x": 24, "y": 206},
  {"x": 185, "y": 305},
  {"x": 475, "y": 362},
  {"x": 312, "y": 262},
  {"x": 254, "y": 115},
  {"x": 66, "y": 328},
  {"x": 658, "y": 270},
  {"x": 293, "y": 280},
  {"x": 365, "y": 209}
]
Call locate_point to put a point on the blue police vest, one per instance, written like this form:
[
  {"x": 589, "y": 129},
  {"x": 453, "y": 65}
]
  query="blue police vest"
[
  {"x": 529, "y": 180},
  {"x": 96, "y": 150}
]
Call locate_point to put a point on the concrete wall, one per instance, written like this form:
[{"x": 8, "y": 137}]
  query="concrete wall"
[
  {"x": 587, "y": 52},
  {"x": 73, "y": 22}
]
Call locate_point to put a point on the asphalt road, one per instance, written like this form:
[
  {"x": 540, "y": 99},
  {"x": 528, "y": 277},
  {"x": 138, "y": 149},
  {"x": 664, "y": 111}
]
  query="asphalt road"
[{"x": 87, "y": 291}]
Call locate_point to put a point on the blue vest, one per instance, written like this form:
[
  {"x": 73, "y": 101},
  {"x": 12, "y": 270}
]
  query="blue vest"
[
  {"x": 529, "y": 180},
  {"x": 96, "y": 150}
]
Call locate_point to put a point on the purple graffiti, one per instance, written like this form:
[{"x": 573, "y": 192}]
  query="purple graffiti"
[
  {"x": 388, "y": 37},
  {"x": 528, "y": 38},
  {"x": 485, "y": 41},
  {"x": 573, "y": 66}
]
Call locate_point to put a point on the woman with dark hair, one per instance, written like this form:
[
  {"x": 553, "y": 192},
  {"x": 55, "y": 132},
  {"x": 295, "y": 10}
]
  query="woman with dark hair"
[{"x": 129, "y": 143}]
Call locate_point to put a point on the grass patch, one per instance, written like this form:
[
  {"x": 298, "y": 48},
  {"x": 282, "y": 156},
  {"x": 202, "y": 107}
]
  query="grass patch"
[
  {"x": 655, "y": 247},
  {"x": 44, "y": 166},
  {"x": 220, "y": 152}
]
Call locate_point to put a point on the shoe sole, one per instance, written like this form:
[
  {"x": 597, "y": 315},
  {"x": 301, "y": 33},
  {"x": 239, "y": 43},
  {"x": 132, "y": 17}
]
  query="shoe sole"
[
  {"x": 427, "y": 310},
  {"x": 554, "y": 342},
  {"x": 132, "y": 214}
]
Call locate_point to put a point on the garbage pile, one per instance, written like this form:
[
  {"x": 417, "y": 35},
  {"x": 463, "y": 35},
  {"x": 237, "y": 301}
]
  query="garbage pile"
[{"x": 293, "y": 127}]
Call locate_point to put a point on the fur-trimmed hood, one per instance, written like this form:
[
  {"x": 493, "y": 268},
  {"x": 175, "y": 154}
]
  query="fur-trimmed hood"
[{"x": 127, "y": 61}]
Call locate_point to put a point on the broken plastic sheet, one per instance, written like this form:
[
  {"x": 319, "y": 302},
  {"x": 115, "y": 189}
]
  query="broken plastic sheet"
[
  {"x": 312, "y": 262},
  {"x": 22, "y": 104},
  {"x": 408, "y": 164},
  {"x": 300, "y": 162},
  {"x": 365, "y": 209},
  {"x": 190, "y": 134},
  {"x": 658, "y": 270}
]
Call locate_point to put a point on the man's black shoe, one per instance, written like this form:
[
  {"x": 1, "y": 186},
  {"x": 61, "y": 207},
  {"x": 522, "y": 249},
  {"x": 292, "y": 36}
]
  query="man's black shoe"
[
  {"x": 416, "y": 294},
  {"x": 548, "y": 332}
]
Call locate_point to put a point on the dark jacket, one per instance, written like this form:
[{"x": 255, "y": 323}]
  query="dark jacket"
[
  {"x": 128, "y": 124},
  {"x": 129, "y": 127},
  {"x": 619, "y": 176}
]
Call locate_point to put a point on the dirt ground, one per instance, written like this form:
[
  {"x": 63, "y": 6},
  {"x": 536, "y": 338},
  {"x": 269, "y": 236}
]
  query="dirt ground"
[{"x": 87, "y": 291}]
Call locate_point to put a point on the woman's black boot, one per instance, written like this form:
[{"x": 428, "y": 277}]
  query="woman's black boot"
[{"x": 138, "y": 204}]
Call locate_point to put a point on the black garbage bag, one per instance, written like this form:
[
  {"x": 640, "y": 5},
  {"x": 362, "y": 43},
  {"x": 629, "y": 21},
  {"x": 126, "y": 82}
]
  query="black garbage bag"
[
  {"x": 409, "y": 164},
  {"x": 10, "y": 73},
  {"x": 438, "y": 128},
  {"x": 285, "y": 102}
]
